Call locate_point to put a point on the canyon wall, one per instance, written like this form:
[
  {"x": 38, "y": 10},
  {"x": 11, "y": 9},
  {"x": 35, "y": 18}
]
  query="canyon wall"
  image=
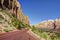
[{"x": 14, "y": 8}]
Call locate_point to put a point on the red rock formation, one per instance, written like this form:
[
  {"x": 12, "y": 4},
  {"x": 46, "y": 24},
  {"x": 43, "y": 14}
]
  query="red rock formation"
[{"x": 14, "y": 8}]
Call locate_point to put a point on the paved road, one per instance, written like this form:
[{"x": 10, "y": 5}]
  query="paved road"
[{"x": 17, "y": 35}]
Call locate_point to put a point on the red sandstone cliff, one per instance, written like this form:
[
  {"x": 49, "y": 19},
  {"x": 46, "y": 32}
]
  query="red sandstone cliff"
[{"x": 14, "y": 8}]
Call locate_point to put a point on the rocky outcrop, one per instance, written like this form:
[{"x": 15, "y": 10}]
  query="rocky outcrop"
[
  {"x": 11, "y": 16},
  {"x": 21, "y": 16},
  {"x": 5, "y": 24},
  {"x": 25, "y": 20},
  {"x": 14, "y": 8}
]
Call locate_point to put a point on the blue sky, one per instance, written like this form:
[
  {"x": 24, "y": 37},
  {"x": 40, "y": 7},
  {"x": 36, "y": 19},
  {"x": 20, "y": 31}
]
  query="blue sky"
[{"x": 39, "y": 10}]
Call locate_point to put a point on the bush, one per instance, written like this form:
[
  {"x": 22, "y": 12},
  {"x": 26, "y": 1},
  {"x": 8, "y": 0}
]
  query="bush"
[
  {"x": 6, "y": 30},
  {"x": 46, "y": 35}
]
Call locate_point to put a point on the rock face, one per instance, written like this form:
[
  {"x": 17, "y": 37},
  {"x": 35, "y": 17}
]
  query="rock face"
[
  {"x": 23, "y": 18},
  {"x": 49, "y": 24},
  {"x": 11, "y": 16},
  {"x": 14, "y": 8},
  {"x": 5, "y": 24}
]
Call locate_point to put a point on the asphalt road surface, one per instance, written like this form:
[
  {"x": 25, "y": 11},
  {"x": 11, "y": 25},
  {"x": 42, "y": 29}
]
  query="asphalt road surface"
[{"x": 16, "y": 35}]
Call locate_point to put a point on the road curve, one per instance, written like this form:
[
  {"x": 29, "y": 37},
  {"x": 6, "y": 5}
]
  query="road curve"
[{"x": 16, "y": 35}]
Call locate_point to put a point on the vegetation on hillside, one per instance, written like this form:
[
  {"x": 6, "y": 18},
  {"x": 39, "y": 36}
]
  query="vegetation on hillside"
[
  {"x": 46, "y": 35},
  {"x": 12, "y": 22}
]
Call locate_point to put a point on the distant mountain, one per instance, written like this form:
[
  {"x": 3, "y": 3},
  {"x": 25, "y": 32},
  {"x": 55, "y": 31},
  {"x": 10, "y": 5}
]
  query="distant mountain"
[{"x": 49, "y": 24}]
